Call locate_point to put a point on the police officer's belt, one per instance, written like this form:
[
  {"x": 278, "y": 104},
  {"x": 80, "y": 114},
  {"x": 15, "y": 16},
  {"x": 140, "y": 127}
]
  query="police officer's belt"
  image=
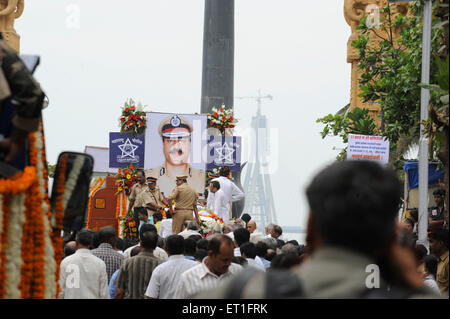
[{"x": 177, "y": 208}]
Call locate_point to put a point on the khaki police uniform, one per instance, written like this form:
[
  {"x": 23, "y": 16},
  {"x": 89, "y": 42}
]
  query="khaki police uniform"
[
  {"x": 176, "y": 127},
  {"x": 153, "y": 197},
  {"x": 185, "y": 199}
]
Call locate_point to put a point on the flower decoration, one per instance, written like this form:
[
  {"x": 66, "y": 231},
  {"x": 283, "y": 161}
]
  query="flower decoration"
[
  {"x": 126, "y": 178},
  {"x": 128, "y": 226},
  {"x": 133, "y": 119},
  {"x": 221, "y": 119}
]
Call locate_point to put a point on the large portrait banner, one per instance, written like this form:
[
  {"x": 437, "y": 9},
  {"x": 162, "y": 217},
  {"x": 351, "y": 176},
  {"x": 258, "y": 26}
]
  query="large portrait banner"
[{"x": 176, "y": 144}]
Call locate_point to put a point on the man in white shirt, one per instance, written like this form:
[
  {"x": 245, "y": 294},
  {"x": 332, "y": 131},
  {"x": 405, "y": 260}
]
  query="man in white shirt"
[
  {"x": 242, "y": 236},
  {"x": 214, "y": 269},
  {"x": 248, "y": 251},
  {"x": 82, "y": 275},
  {"x": 166, "y": 277},
  {"x": 255, "y": 235},
  {"x": 165, "y": 230},
  {"x": 231, "y": 191},
  {"x": 157, "y": 252},
  {"x": 221, "y": 206}
]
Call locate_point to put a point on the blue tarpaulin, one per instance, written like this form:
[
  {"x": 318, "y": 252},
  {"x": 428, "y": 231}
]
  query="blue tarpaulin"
[{"x": 412, "y": 167}]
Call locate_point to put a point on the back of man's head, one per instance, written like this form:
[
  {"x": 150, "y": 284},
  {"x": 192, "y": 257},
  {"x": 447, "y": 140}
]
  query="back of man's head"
[
  {"x": 241, "y": 235},
  {"x": 85, "y": 237},
  {"x": 224, "y": 171},
  {"x": 148, "y": 227},
  {"x": 440, "y": 235},
  {"x": 192, "y": 225},
  {"x": 107, "y": 234},
  {"x": 248, "y": 250},
  {"x": 149, "y": 240},
  {"x": 157, "y": 216},
  {"x": 175, "y": 245},
  {"x": 190, "y": 247},
  {"x": 246, "y": 217},
  {"x": 261, "y": 249},
  {"x": 354, "y": 205}
]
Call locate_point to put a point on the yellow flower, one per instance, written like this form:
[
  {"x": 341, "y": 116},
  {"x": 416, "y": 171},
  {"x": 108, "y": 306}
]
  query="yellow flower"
[
  {"x": 120, "y": 189},
  {"x": 128, "y": 176}
]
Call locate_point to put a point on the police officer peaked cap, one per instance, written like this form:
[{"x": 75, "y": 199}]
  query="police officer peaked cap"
[
  {"x": 151, "y": 180},
  {"x": 175, "y": 126},
  {"x": 182, "y": 177}
]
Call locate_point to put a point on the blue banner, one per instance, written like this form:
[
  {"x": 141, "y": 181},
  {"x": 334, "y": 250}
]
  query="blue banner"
[
  {"x": 224, "y": 151},
  {"x": 125, "y": 149}
]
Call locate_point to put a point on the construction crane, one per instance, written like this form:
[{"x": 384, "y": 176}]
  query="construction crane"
[{"x": 259, "y": 203}]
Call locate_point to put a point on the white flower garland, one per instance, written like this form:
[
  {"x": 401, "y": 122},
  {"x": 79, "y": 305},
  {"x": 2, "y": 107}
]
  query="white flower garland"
[
  {"x": 49, "y": 258},
  {"x": 72, "y": 179},
  {"x": 13, "y": 250}
]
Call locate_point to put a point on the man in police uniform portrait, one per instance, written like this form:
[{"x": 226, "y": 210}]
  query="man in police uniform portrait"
[{"x": 176, "y": 132}]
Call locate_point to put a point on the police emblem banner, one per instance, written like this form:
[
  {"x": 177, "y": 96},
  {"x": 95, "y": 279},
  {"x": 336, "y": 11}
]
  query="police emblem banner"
[
  {"x": 224, "y": 151},
  {"x": 125, "y": 149}
]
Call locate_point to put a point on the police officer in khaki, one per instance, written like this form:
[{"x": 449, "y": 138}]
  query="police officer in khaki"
[
  {"x": 176, "y": 133},
  {"x": 185, "y": 199},
  {"x": 153, "y": 198},
  {"x": 137, "y": 198}
]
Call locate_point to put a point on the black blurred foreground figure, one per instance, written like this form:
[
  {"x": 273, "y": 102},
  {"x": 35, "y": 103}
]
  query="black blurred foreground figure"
[{"x": 357, "y": 248}]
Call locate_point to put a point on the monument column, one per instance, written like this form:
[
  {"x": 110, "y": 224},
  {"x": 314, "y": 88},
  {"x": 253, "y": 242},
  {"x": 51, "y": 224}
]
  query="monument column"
[
  {"x": 10, "y": 10},
  {"x": 354, "y": 11}
]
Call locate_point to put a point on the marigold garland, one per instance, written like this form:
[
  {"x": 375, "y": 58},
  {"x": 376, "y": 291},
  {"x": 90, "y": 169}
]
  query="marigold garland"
[
  {"x": 6, "y": 207},
  {"x": 90, "y": 202},
  {"x": 95, "y": 184}
]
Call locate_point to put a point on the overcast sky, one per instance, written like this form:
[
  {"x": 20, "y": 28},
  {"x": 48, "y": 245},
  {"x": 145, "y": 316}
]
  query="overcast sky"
[{"x": 96, "y": 54}]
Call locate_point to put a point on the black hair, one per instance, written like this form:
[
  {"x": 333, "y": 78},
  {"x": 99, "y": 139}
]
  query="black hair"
[
  {"x": 196, "y": 237},
  {"x": 120, "y": 244},
  {"x": 293, "y": 242},
  {"x": 149, "y": 239},
  {"x": 240, "y": 261},
  {"x": 410, "y": 221},
  {"x": 140, "y": 210},
  {"x": 270, "y": 254},
  {"x": 248, "y": 249},
  {"x": 140, "y": 170},
  {"x": 96, "y": 240},
  {"x": 280, "y": 243},
  {"x": 440, "y": 235},
  {"x": 354, "y": 204},
  {"x": 246, "y": 217},
  {"x": 284, "y": 260},
  {"x": 277, "y": 229},
  {"x": 158, "y": 216},
  {"x": 224, "y": 171},
  {"x": 161, "y": 242},
  {"x": 202, "y": 244},
  {"x": 261, "y": 249},
  {"x": 85, "y": 237},
  {"x": 439, "y": 191},
  {"x": 148, "y": 227},
  {"x": 106, "y": 234},
  {"x": 216, "y": 184},
  {"x": 136, "y": 250},
  {"x": 241, "y": 235},
  {"x": 175, "y": 244},
  {"x": 68, "y": 251},
  {"x": 414, "y": 214},
  {"x": 200, "y": 254},
  {"x": 431, "y": 263},
  {"x": 217, "y": 241},
  {"x": 168, "y": 215},
  {"x": 190, "y": 246}
]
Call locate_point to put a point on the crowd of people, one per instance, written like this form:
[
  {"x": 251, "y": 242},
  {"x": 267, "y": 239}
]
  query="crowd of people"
[{"x": 352, "y": 227}]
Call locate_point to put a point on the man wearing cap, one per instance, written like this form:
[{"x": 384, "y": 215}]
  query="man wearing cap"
[
  {"x": 153, "y": 197},
  {"x": 185, "y": 202},
  {"x": 176, "y": 133}
]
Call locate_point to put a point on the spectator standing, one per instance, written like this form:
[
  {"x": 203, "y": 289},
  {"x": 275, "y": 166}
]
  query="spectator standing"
[
  {"x": 135, "y": 272},
  {"x": 106, "y": 251},
  {"x": 158, "y": 252},
  {"x": 437, "y": 213},
  {"x": 165, "y": 230},
  {"x": 166, "y": 277},
  {"x": 214, "y": 269},
  {"x": 248, "y": 251},
  {"x": 82, "y": 275},
  {"x": 430, "y": 273},
  {"x": 192, "y": 228},
  {"x": 438, "y": 240}
]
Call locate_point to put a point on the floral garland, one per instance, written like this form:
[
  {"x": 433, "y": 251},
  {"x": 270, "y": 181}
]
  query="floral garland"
[
  {"x": 90, "y": 202},
  {"x": 129, "y": 227},
  {"x": 221, "y": 119},
  {"x": 4, "y": 242},
  {"x": 95, "y": 184},
  {"x": 126, "y": 178},
  {"x": 133, "y": 119}
]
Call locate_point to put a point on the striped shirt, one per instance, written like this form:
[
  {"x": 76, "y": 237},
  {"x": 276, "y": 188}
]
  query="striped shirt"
[
  {"x": 200, "y": 278},
  {"x": 112, "y": 258},
  {"x": 135, "y": 273},
  {"x": 166, "y": 277}
]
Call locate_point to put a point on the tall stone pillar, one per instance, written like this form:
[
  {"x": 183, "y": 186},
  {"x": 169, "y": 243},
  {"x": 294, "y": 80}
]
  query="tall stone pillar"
[
  {"x": 354, "y": 11},
  {"x": 218, "y": 55},
  {"x": 10, "y": 10}
]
